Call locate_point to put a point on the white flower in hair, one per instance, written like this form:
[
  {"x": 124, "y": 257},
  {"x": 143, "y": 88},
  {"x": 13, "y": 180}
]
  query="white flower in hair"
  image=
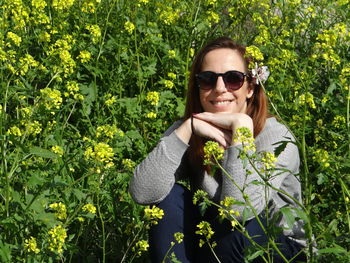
[{"x": 261, "y": 73}]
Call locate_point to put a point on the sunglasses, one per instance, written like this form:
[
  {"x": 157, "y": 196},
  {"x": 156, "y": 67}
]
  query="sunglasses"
[{"x": 233, "y": 79}]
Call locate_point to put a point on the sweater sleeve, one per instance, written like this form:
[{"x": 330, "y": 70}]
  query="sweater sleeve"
[
  {"x": 155, "y": 176},
  {"x": 287, "y": 165}
]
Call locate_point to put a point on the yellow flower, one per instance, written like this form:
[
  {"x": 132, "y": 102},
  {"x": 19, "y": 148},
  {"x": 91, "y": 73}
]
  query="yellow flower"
[
  {"x": 95, "y": 32},
  {"x": 255, "y": 53},
  {"x": 84, "y": 56},
  {"x": 110, "y": 99},
  {"x": 14, "y": 130},
  {"x": 153, "y": 214},
  {"x": 172, "y": 75},
  {"x": 198, "y": 195},
  {"x": 89, "y": 208},
  {"x": 338, "y": 121},
  {"x": 39, "y": 4},
  {"x": 129, "y": 26},
  {"x": 140, "y": 246},
  {"x": 62, "y": 4},
  {"x": 171, "y": 53},
  {"x": 128, "y": 164},
  {"x": 212, "y": 150},
  {"x": 244, "y": 136},
  {"x": 14, "y": 38},
  {"x": 57, "y": 236},
  {"x": 60, "y": 210},
  {"x": 51, "y": 98},
  {"x": 322, "y": 157},
  {"x": 26, "y": 62},
  {"x": 151, "y": 115},
  {"x": 168, "y": 84},
  {"x": 268, "y": 161},
  {"x": 213, "y": 17},
  {"x": 109, "y": 131},
  {"x": 178, "y": 237},
  {"x": 101, "y": 153},
  {"x": 153, "y": 97},
  {"x": 58, "y": 150},
  {"x": 30, "y": 245},
  {"x": 206, "y": 231},
  {"x": 169, "y": 16}
]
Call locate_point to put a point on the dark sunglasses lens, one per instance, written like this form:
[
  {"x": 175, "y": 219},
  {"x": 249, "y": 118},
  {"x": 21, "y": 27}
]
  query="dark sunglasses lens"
[
  {"x": 206, "y": 80},
  {"x": 233, "y": 79}
]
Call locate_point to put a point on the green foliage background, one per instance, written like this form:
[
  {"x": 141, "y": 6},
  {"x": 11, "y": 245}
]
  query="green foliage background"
[{"x": 70, "y": 67}]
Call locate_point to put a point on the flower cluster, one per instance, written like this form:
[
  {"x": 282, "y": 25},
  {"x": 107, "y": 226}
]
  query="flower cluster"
[
  {"x": 57, "y": 237},
  {"x": 255, "y": 53},
  {"x": 30, "y": 245},
  {"x": 178, "y": 237},
  {"x": 198, "y": 195},
  {"x": 95, "y": 32},
  {"x": 212, "y": 150},
  {"x": 89, "y": 6},
  {"x": 129, "y": 27},
  {"x": 110, "y": 99},
  {"x": 89, "y": 208},
  {"x": 169, "y": 15},
  {"x": 151, "y": 115},
  {"x": 57, "y": 150},
  {"x": 109, "y": 131},
  {"x": 62, "y": 4},
  {"x": 307, "y": 98},
  {"x": 140, "y": 247},
  {"x": 244, "y": 136},
  {"x": 153, "y": 214},
  {"x": 60, "y": 210},
  {"x": 206, "y": 231},
  {"x": 51, "y": 98},
  {"x": 268, "y": 160},
  {"x": 84, "y": 56},
  {"x": 15, "y": 39},
  {"x": 102, "y": 153},
  {"x": 322, "y": 157},
  {"x": 153, "y": 97},
  {"x": 128, "y": 164},
  {"x": 72, "y": 88},
  {"x": 225, "y": 210}
]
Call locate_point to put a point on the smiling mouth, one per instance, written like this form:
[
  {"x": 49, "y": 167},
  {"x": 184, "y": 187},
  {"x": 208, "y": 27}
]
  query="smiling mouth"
[{"x": 223, "y": 102}]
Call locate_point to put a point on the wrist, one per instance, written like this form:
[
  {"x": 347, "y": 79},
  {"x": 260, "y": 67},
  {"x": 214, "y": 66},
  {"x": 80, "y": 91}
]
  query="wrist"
[{"x": 184, "y": 132}]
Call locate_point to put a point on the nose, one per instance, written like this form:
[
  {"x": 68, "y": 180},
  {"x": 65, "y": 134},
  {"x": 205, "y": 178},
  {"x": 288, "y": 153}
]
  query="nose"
[{"x": 220, "y": 86}]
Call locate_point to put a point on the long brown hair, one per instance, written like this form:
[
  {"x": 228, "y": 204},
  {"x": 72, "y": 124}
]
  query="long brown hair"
[{"x": 257, "y": 106}]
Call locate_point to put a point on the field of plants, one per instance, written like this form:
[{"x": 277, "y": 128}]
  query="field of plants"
[{"x": 89, "y": 86}]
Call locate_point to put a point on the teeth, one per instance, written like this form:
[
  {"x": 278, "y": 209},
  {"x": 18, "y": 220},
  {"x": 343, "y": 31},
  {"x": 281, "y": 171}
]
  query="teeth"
[{"x": 221, "y": 102}]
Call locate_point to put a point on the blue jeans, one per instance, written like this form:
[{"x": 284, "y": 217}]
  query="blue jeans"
[{"x": 180, "y": 215}]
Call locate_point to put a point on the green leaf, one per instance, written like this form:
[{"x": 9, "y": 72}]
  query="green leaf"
[
  {"x": 255, "y": 255},
  {"x": 42, "y": 152},
  {"x": 288, "y": 215},
  {"x": 333, "y": 250}
]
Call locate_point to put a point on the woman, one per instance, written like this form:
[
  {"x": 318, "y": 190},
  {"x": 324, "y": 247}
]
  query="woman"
[{"x": 223, "y": 96}]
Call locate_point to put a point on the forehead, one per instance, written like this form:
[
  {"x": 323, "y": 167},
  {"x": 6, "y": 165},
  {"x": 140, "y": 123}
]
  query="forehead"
[{"x": 222, "y": 60}]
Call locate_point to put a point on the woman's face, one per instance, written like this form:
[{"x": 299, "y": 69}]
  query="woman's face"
[{"x": 221, "y": 99}]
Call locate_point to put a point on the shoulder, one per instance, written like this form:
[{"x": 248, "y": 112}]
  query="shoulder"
[
  {"x": 172, "y": 128},
  {"x": 273, "y": 132},
  {"x": 274, "y": 128}
]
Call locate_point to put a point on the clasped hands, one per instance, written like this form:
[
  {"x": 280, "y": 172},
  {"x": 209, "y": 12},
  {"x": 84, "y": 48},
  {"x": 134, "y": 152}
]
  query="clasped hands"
[{"x": 219, "y": 127}]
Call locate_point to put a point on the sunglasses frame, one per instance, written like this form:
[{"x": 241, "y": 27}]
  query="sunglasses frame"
[{"x": 224, "y": 76}]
